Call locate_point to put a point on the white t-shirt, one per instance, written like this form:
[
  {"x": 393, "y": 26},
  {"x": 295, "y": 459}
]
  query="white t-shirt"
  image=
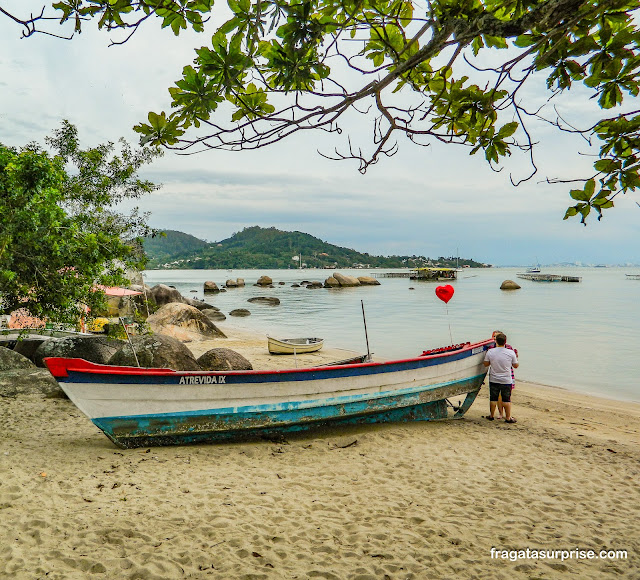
[{"x": 501, "y": 359}]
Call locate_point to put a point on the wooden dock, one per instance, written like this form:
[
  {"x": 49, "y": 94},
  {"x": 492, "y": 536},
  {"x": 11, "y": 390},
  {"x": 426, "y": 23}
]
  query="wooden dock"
[{"x": 549, "y": 277}]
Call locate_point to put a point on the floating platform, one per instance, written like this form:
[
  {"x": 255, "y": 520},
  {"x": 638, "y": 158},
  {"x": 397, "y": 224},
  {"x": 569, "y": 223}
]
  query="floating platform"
[
  {"x": 549, "y": 277},
  {"x": 392, "y": 274},
  {"x": 632, "y": 276}
]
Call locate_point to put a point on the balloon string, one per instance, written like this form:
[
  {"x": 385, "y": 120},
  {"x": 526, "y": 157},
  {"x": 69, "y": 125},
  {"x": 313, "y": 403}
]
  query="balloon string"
[{"x": 448, "y": 322}]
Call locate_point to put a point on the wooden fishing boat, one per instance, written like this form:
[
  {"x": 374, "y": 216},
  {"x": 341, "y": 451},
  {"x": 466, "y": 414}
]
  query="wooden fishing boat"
[
  {"x": 138, "y": 407},
  {"x": 293, "y": 345}
]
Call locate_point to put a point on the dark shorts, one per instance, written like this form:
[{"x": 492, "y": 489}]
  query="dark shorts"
[{"x": 496, "y": 389}]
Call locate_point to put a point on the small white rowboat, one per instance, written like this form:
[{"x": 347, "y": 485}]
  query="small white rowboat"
[{"x": 294, "y": 345}]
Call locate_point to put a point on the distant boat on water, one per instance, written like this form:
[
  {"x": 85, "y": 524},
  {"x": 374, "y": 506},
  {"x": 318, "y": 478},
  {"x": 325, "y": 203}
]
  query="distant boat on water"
[{"x": 535, "y": 269}]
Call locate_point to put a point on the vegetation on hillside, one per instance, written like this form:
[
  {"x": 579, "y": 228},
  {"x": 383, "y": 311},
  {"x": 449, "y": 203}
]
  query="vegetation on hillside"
[{"x": 257, "y": 247}]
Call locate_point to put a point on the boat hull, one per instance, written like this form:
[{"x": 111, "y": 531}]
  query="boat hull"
[{"x": 149, "y": 407}]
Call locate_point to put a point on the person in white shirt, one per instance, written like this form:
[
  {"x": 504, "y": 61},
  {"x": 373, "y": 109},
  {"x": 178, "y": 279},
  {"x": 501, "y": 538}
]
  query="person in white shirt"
[{"x": 500, "y": 361}]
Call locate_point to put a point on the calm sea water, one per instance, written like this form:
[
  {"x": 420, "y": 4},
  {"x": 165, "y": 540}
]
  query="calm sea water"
[{"x": 582, "y": 336}]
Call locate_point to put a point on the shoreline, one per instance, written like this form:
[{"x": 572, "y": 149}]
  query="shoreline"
[{"x": 400, "y": 501}]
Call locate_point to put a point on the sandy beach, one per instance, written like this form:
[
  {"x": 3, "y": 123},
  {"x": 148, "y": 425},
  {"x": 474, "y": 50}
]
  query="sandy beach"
[{"x": 394, "y": 501}]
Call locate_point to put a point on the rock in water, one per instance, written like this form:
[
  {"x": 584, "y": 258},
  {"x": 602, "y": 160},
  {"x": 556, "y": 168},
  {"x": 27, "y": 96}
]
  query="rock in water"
[
  {"x": 240, "y": 312},
  {"x": 269, "y": 300},
  {"x": 509, "y": 285},
  {"x": 344, "y": 280},
  {"x": 368, "y": 281}
]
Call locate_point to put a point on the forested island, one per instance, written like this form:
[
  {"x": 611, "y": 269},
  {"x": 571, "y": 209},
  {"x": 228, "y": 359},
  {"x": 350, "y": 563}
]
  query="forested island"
[{"x": 256, "y": 247}]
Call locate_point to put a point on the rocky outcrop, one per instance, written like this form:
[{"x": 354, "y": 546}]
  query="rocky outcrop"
[
  {"x": 231, "y": 284},
  {"x": 183, "y": 322},
  {"x": 368, "y": 281},
  {"x": 210, "y": 286},
  {"x": 162, "y": 294},
  {"x": 156, "y": 351},
  {"x": 27, "y": 346},
  {"x": 269, "y": 300},
  {"x": 223, "y": 359},
  {"x": 240, "y": 281},
  {"x": 11, "y": 360},
  {"x": 346, "y": 281},
  {"x": 29, "y": 381},
  {"x": 240, "y": 312},
  {"x": 509, "y": 285},
  {"x": 331, "y": 282},
  {"x": 96, "y": 349},
  {"x": 214, "y": 315},
  {"x": 199, "y": 304},
  {"x": 264, "y": 281},
  {"x": 314, "y": 285}
]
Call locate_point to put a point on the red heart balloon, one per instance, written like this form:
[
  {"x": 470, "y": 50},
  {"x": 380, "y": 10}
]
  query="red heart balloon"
[{"x": 445, "y": 293}]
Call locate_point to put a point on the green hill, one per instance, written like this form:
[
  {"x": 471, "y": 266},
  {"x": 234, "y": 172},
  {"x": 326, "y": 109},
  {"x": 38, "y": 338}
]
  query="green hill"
[{"x": 257, "y": 247}]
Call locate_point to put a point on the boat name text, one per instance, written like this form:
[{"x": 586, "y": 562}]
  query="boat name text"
[{"x": 204, "y": 380}]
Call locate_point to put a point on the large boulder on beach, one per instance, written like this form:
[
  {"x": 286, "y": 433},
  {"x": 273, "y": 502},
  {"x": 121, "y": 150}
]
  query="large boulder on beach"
[
  {"x": 210, "y": 286},
  {"x": 183, "y": 322},
  {"x": 264, "y": 281},
  {"x": 368, "y": 281},
  {"x": 344, "y": 280},
  {"x": 223, "y": 359},
  {"x": 162, "y": 294},
  {"x": 268, "y": 300},
  {"x": 156, "y": 351},
  {"x": 11, "y": 360},
  {"x": 230, "y": 283},
  {"x": 29, "y": 381},
  {"x": 28, "y": 345},
  {"x": 331, "y": 282},
  {"x": 509, "y": 285},
  {"x": 97, "y": 349}
]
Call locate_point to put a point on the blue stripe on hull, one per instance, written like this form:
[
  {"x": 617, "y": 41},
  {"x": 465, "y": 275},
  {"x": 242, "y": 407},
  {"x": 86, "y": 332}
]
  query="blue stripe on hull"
[{"x": 207, "y": 426}]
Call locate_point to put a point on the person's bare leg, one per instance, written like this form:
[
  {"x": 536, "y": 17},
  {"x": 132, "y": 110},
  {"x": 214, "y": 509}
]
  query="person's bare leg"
[
  {"x": 492, "y": 408},
  {"x": 507, "y": 411},
  {"x": 500, "y": 408}
]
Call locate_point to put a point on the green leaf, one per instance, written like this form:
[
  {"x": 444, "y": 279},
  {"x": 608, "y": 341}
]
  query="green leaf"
[{"x": 507, "y": 130}]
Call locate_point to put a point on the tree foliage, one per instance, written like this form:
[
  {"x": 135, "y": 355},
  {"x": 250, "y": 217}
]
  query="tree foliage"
[
  {"x": 431, "y": 72},
  {"x": 61, "y": 235}
]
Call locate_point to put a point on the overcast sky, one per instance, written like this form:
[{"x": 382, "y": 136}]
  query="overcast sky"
[{"x": 427, "y": 201}]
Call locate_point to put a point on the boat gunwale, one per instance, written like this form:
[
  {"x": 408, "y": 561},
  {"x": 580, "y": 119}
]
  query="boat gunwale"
[{"x": 59, "y": 367}]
